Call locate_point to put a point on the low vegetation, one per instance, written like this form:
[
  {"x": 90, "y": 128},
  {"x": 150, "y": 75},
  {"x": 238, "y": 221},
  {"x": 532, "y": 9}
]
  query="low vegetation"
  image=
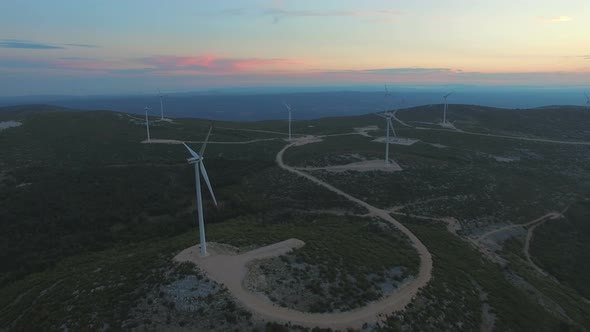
[
  {"x": 451, "y": 301},
  {"x": 346, "y": 262},
  {"x": 90, "y": 219},
  {"x": 562, "y": 248}
]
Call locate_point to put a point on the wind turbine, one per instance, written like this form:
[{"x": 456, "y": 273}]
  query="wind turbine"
[
  {"x": 197, "y": 160},
  {"x": 147, "y": 123},
  {"x": 388, "y": 116},
  {"x": 387, "y": 93},
  {"x": 289, "y": 110},
  {"x": 587, "y": 100},
  {"x": 446, "y": 107},
  {"x": 161, "y": 96}
]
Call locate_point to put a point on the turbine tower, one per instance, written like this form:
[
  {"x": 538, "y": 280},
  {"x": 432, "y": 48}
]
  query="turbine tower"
[
  {"x": 387, "y": 93},
  {"x": 388, "y": 116},
  {"x": 147, "y": 123},
  {"x": 446, "y": 107},
  {"x": 289, "y": 110},
  {"x": 386, "y": 96},
  {"x": 161, "y": 96},
  {"x": 197, "y": 161},
  {"x": 587, "y": 100}
]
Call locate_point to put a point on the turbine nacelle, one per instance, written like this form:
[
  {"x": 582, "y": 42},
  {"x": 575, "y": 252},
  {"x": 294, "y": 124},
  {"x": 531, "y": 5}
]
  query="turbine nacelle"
[
  {"x": 287, "y": 106},
  {"x": 195, "y": 156}
]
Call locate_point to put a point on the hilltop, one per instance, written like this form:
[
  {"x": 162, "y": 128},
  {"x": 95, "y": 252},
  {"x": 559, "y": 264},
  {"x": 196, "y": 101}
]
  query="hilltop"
[{"x": 92, "y": 216}]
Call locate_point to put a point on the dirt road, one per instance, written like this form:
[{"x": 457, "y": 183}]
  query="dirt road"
[
  {"x": 374, "y": 311},
  {"x": 231, "y": 270},
  {"x": 550, "y": 215},
  {"x": 529, "y": 237}
]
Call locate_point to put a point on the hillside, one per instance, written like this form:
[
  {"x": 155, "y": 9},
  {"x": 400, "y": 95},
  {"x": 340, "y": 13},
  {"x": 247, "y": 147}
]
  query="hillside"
[{"x": 91, "y": 217}]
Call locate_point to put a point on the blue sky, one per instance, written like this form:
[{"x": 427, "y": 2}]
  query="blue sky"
[{"x": 133, "y": 46}]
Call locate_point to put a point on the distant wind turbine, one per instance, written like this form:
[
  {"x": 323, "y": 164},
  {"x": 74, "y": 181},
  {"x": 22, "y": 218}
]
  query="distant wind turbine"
[
  {"x": 386, "y": 96},
  {"x": 197, "y": 160},
  {"x": 289, "y": 109},
  {"x": 387, "y": 93},
  {"x": 147, "y": 123},
  {"x": 161, "y": 96},
  {"x": 388, "y": 116},
  {"x": 446, "y": 107}
]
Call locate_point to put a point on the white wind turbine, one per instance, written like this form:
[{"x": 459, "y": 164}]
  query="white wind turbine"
[
  {"x": 388, "y": 116},
  {"x": 289, "y": 109},
  {"x": 387, "y": 93},
  {"x": 446, "y": 107},
  {"x": 147, "y": 123},
  {"x": 161, "y": 96},
  {"x": 197, "y": 160}
]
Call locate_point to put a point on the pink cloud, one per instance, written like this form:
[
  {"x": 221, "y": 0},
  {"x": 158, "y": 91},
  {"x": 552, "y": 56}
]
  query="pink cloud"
[
  {"x": 213, "y": 68},
  {"x": 215, "y": 64},
  {"x": 182, "y": 61}
]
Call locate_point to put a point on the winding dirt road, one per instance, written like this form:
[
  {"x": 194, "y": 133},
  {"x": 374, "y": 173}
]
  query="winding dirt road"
[
  {"x": 374, "y": 311},
  {"x": 542, "y": 140},
  {"x": 529, "y": 237},
  {"x": 218, "y": 267}
]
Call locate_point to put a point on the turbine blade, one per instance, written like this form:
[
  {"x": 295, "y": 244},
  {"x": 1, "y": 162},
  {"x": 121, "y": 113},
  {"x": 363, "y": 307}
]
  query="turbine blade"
[
  {"x": 206, "y": 177},
  {"x": 389, "y": 122},
  {"x": 287, "y": 106},
  {"x": 202, "y": 152},
  {"x": 192, "y": 152}
]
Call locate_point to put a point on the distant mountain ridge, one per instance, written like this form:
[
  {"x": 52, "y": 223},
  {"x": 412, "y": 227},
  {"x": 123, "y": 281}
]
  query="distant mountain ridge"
[{"x": 307, "y": 105}]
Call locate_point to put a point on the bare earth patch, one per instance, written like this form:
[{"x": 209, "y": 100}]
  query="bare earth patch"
[
  {"x": 9, "y": 124},
  {"x": 397, "y": 140},
  {"x": 504, "y": 159},
  {"x": 173, "y": 141},
  {"x": 440, "y": 146},
  {"x": 360, "y": 166},
  {"x": 161, "y": 141},
  {"x": 364, "y": 131}
]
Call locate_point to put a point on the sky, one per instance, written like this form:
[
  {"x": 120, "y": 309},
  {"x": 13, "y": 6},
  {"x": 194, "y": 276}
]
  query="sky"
[{"x": 73, "y": 47}]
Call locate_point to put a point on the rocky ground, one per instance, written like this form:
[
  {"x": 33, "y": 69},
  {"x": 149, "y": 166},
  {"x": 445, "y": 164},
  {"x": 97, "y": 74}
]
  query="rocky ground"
[
  {"x": 188, "y": 300},
  {"x": 294, "y": 284}
]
